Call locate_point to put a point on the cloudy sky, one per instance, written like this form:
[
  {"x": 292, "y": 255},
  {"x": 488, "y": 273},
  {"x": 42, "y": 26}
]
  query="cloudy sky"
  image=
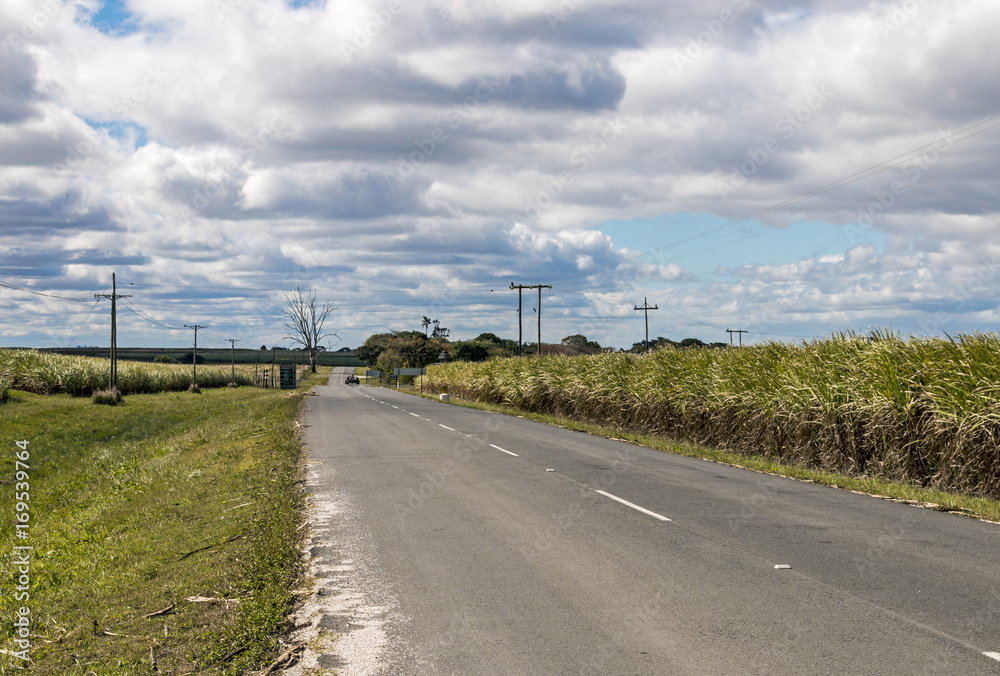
[{"x": 787, "y": 167}]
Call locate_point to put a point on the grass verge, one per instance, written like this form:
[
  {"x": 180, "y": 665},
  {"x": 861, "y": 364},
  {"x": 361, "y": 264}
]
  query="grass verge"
[
  {"x": 972, "y": 506},
  {"x": 164, "y": 530}
]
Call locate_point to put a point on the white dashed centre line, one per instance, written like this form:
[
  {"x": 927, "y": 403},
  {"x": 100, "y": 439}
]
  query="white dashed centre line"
[
  {"x": 633, "y": 506},
  {"x": 504, "y": 450},
  {"x": 414, "y": 415},
  {"x": 396, "y": 407},
  {"x": 446, "y": 427},
  {"x": 993, "y": 656}
]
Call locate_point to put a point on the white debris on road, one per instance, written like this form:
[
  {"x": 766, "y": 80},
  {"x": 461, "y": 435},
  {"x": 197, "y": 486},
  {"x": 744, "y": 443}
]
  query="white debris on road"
[{"x": 343, "y": 614}]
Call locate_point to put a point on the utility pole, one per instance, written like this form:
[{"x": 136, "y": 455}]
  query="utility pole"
[
  {"x": 645, "y": 310},
  {"x": 732, "y": 331},
  {"x": 232, "y": 342},
  {"x": 194, "y": 355},
  {"x": 519, "y": 335},
  {"x": 114, "y": 296},
  {"x": 519, "y": 288}
]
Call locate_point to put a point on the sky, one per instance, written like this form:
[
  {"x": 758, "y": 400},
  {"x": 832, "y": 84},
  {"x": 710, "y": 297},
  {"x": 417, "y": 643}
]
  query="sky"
[{"x": 791, "y": 168}]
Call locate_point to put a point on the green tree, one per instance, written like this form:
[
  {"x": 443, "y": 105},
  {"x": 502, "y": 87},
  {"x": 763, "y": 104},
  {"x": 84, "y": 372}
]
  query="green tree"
[
  {"x": 373, "y": 347},
  {"x": 469, "y": 350},
  {"x": 408, "y": 349}
]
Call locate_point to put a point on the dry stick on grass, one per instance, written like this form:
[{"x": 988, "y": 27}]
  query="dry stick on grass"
[
  {"x": 285, "y": 657},
  {"x": 201, "y": 549},
  {"x": 159, "y": 612}
]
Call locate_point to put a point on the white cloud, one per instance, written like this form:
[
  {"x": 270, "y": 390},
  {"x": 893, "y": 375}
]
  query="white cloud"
[{"x": 430, "y": 149}]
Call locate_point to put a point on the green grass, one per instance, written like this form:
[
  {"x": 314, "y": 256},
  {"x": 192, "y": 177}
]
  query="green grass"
[
  {"x": 135, "y": 508},
  {"x": 972, "y": 506}
]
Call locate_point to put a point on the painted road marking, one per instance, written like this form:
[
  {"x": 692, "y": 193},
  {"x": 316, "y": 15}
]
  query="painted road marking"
[
  {"x": 504, "y": 450},
  {"x": 396, "y": 407},
  {"x": 636, "y": 507},
  {"x": 993, "y": 656},
  {"x": 446, "y": 427},
  {"x": 414, "y": 415}
]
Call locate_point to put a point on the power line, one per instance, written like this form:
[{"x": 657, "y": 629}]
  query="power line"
[
  {"x": 75, "y": 333},
  {"x": 831, "y": 211},
  {"x": 14, "y": 287},
  {"x": 155, "y": 322},
  {"x": 852, "y": 178}
]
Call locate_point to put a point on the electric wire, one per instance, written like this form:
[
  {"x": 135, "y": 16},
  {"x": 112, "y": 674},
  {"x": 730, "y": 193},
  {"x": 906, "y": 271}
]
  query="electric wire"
[{"x": 22, "y": 289}]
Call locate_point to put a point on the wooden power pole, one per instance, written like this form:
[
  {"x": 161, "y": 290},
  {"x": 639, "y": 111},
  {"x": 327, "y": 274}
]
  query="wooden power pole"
[
  {"x": 194, "y": 355},
  {"x": 645, "y": 310},
  {"x": 232, "y": 342},
  {"x": 519, "y": 288},
  {"x": 732, "y": 331},
  {"x": 113, "y": 296}
]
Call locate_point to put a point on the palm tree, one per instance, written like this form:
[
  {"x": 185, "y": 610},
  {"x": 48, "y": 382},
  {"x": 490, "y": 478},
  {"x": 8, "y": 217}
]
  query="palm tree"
[{"x": 426, "y": 324}]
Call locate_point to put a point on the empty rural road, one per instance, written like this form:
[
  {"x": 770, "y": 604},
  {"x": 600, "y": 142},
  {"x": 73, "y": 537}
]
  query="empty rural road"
[{"x": 455, "y": 541}]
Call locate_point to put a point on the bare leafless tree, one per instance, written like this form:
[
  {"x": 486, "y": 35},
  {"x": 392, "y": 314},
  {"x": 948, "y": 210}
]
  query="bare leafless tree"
[{"x": 305, "y": 321}]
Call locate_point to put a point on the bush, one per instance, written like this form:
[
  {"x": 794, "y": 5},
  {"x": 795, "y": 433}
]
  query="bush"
[
  {"x": 165, "y": 359},
  {"x": 110, "y": 397}
]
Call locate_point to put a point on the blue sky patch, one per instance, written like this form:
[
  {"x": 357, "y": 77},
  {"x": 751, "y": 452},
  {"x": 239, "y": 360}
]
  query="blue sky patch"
[
  {"x": 696, "y": 242},
  {"x": 114, "y": 19},
  {"x": 126, "y": 132}
]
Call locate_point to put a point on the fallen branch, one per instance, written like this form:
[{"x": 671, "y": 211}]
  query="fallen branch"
[
  {"x": 285, "y": 657},
  {"x": 211, "y": 599},
  {"x": 201, "y": 549},
  {"x": 159, "y": 612}
]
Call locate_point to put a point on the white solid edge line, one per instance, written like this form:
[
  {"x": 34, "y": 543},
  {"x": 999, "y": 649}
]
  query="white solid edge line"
[
  {"x": 993, "y": 656},
  {"x": 446, "y": 427},
  {"x": 636, "y": 507},
  {"x": 504, "y": 450}
]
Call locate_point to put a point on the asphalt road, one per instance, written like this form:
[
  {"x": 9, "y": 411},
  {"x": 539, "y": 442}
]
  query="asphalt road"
[{"x": 465, "y": 542}]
